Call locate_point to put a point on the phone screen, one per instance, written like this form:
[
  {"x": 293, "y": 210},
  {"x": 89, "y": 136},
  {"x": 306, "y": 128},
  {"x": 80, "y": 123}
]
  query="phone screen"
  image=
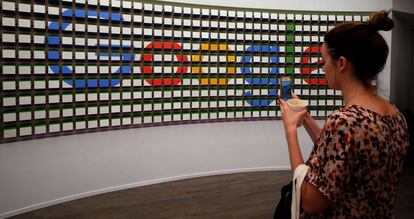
[{"x": 286, "y": 88}]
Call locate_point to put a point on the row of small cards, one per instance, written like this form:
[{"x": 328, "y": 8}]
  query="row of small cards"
[
  {"x": 187, "y": 11},
  {"x": 137, "y": 119}
]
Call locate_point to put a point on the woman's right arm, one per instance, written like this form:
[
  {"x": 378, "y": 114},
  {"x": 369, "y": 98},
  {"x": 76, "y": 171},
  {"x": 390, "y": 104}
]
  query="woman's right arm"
[{"x": 311, "y": 127}]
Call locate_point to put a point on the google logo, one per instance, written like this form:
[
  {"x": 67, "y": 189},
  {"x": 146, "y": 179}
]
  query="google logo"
[{"x": 246, "y": 61}]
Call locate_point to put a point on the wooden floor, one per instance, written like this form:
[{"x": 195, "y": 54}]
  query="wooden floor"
[{"x": 244, "y": 195}]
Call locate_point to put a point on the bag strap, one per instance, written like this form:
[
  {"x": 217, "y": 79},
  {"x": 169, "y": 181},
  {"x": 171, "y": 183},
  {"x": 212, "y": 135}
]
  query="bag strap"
[{"x": 298, "y": 177}]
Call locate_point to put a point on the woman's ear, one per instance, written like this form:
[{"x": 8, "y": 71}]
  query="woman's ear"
[{"x": 342, "y": 63}]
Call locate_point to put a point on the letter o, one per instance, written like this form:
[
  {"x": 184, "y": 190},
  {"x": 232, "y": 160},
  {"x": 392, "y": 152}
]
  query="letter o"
[{"x": 149, "y": 58}]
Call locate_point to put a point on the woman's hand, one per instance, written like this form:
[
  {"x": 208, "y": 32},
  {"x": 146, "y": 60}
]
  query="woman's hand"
[{"x": 291, "y": 119}]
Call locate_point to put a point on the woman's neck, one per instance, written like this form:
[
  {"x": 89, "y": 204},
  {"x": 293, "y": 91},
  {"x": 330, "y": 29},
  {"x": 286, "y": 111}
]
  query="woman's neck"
[{"x": 354, "y": 91}]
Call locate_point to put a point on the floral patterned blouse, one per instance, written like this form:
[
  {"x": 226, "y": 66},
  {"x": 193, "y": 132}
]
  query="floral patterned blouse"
[{"x": 356, "y": 163}]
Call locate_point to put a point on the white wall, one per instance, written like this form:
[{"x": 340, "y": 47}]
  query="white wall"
[
  {"x": 400, "y": 59},
  {"x": 411, "y": 76},
  {"x": 42, "y": 172},
  {"x": 406, "y": 6},
  {"x": 402, "y": 91},
  {"x": 313, "y": 5}
]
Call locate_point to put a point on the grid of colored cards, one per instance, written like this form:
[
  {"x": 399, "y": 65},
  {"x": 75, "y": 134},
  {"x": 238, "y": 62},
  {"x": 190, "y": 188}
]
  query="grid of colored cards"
[{"x": 78, "y": 66}]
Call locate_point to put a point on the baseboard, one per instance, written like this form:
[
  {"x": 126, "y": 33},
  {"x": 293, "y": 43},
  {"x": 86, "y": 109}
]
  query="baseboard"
[{"x": 134, "y": 185}]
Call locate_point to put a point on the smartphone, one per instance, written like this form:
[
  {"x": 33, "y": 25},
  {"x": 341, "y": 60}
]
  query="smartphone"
[{"x": 286, "y": 87}]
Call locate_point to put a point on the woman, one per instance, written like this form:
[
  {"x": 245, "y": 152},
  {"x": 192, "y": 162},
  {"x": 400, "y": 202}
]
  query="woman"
[{"x": 355, "y": 164}]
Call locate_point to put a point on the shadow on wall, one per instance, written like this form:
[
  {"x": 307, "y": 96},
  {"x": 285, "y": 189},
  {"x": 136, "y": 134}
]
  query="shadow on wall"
[{"x": 410, "y": 121}]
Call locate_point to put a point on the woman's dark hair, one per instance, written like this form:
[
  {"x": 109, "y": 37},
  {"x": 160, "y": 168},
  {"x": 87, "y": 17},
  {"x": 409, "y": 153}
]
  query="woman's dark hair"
[{"x": 361, "y": 44}]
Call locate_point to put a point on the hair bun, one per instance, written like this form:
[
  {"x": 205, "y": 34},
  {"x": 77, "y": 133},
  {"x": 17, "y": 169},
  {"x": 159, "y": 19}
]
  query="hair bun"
[{"x": 381, "y": 21}]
